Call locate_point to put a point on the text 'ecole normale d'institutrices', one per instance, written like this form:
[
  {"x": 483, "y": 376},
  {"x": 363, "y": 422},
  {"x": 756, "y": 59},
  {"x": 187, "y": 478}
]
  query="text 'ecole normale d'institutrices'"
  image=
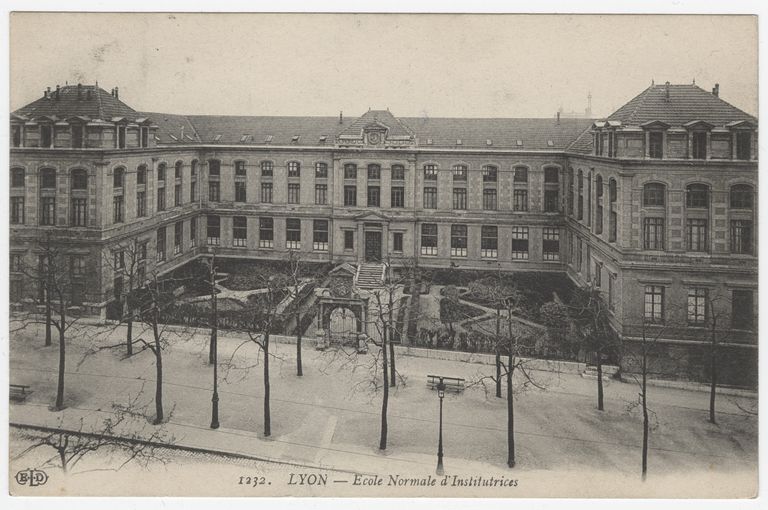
[{"x": 654, "y": 205}]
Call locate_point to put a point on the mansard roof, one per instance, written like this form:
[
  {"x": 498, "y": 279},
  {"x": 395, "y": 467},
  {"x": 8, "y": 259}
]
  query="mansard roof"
[
  {"x": 686, "y": 103},
  {"x": 66, "y": 103}
]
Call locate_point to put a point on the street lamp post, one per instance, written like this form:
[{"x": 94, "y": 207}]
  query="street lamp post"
[
  {"x": 214, "y": 349},
  {"x": 440, "y": 394}
]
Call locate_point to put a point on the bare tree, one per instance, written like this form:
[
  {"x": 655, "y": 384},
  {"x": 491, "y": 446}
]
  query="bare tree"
[
  {"x": 716, "y": 314},
  {"x": 127, "y": 260},
  {"x": 297, "y": 279},
  {"x": 122, "y": 431}
]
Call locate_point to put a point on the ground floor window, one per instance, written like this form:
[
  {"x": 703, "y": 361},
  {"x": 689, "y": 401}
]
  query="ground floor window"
[
  {"x": 293, "y": 234},
  {"x": 458, "y": 240},
  {"x": 429, "y": 239},
  {"x": 489, "y": 242},
  {"x": 397, "y": 241},
  {"x": 214, "y": 230},
  {"x": 178, "y": 236},
  {"x": 654, "y": 304},
  {"x": 520, "y": 243},
  {"x": 193, "y": 232},
  {"x": 266, "y": 233},
  {"x": 349, "y": 240},
  {"x": 240, "y": 231},
  {"x": 551, "y": 244},
  {"x": 742, "y": 309},
  {"x": 320, "y": 235},
  {"x": 161, "y": 244},
  {"x": 697, "y": 306}
]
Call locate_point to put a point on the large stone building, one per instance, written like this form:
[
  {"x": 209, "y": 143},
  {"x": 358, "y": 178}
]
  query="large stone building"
[{"x": 655, "y": 205}]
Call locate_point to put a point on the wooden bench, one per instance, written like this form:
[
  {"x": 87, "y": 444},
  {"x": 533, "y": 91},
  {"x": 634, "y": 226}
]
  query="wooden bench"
[
  {"x": 454, "y": 384},
  {"x": 19, "y": 392}
]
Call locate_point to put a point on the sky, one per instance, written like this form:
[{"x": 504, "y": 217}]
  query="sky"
[{"x": 415, "y": 65}]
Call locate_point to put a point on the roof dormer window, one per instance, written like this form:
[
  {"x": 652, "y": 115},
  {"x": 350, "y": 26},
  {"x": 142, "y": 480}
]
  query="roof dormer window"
[
  {"x": 744, "y": 145},
  {"x": 699, "y": 145},
  {"x": 46, "y": 135},
  {"x": 656, "y": 144}
]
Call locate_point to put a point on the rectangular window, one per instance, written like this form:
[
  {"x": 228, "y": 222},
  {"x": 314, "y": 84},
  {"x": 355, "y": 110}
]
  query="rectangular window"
[
  {"x": 551, "y": 200},
  {"x": 47, "y": 211},
  {"x": 17, "y": 210},
  {"x": 460, "y": 198},
  {"x": 520, "y": 200},
  {"x": 598, "y": 280},
  {"x": 321, "y": 194},
  {"x": 458, "y": 240},
  {"x": 320, "y": 235},
  {"x": 193, "y": 232},
  {"x": 350, "y": 196},
  {"x": 118, "y": 260},
  {"x": 398, "y": 173},
  {"x": 239, "y": 231},
  {"x": 429, "y": 239},
  {"x": 742, "y": 309},
  {"x": 599, "y": 219},
  {"x": 653, "y": 233},
  {"x": 213, "y": 231},
  {"x": 349, "y": 240},
  {"x": 551, "y": 243},
  {"x": 177, "y": 195},
  {"x": 741, "y": 236},
  {"x": 161, "y": 199},
  {"x": 654, "y": 304},
  {"x": 744, "y": 145},
  {"x": 240, "y": 191},
  {"x": 699, "y": 145},
  {"x": 696, "y": 234},
  {"x": 430, "y": 198},
  {"x": 613, "y": 221},
  {"x": 214, "y": 192},
  {"x": 178, "y": 237},
  {"x": 489, "y": 242},
  {"x": 430, "y": 172},
  {"x": 397, "y": 241},
  {"x": 397, "y": 196},
  {"x": 520, "y": 243},
  {"x": 266, "y": 233},
  {"x": 697, "y": 306},
  {"x": 293, "y": 234},
  {"x": 266, "y": 192},
  {"x": 294, "y": 192},
  {"x": 374, "y": 196},
  {"x": 141, "y": 204},
  {"x": 611, "y": 291},
  {"x": 161, "y": 244},
  {"x": 489, "y": 200},
  {"x": 193, "y": 191},
  {"x": 656, "y": 144},
  {"x": 79, "y": 212}
]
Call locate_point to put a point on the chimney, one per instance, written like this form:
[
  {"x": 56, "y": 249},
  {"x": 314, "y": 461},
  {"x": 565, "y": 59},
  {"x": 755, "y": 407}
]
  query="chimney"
[
  {"x": 716, "y": 90},
  {"x": 341, "y": 118},
  {"x": 79, "y": 92},
  {"x": 57, "y": 92},
  {"x": 116, "y": 94},
  {"x": 666, "y": 91},
  {"x": 558, "y": 118},
  {"x": 88, "y": 94}
]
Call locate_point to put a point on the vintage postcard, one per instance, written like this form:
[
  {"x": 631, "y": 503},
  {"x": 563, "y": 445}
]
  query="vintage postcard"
[{"x": 383, "y": 255}]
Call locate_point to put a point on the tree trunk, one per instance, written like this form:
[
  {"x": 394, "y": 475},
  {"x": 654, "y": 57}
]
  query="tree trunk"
[
  {"x": 62, "y": 358},
  {"x": 498, "y": 353},
  {"x": 385, "y": 397},
  {"x": 510, "y": 413},
  {"x": 643, "y": 396},
  {"x": 299, "y": 369},
  {"x": 392, "y": 370},
  {"x": 48, "y": 336},
  {"x": 63, "y": 458},
  {"x": 713, "y": 370},
  {"x": 129, "y": 337},
  {"x": 599, "y": 354},
  {"x": 267, "y": 417},
  {"x": 159, "y": 415}
]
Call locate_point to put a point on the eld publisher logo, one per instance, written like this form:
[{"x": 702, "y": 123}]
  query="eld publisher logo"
[{"x": 31, "y": 477}]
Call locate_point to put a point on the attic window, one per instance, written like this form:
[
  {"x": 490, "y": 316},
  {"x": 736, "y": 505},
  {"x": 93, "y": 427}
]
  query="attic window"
[
  {"x": 157, "y": 138},
  {"x": 245, "y": 138},
  {"x": 295, "y": 139},
  {"x": 323, "y": 138},
  {"x": 489, "y": 142},
  {"x": 189, "y": 138},
  {"x": 429, "y": 141},
  {"x": 174, "y": 138},
  {"x": 268, "y": 139},
  {"x": 519, "y": 143},
  {"x": 217, "y": 138},
  {"x": 550, "y": 143},
  {"x": 458, "y": 141}
]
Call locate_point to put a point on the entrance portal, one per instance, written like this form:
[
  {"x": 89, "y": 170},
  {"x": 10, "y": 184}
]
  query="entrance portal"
[{"x": 372, "y": 246}]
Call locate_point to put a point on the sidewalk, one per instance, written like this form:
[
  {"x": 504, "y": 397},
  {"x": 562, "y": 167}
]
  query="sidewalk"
[{"x": 330, "y": 418}]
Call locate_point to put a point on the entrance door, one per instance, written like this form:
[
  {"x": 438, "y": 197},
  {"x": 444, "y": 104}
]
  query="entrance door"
[{"x": 372, "y": 246}]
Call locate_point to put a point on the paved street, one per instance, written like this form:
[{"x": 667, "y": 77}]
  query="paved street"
[{"x": 330, "y": 417}]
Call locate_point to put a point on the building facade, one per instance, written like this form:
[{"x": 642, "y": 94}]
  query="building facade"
[{"x": 655, "y": 205}]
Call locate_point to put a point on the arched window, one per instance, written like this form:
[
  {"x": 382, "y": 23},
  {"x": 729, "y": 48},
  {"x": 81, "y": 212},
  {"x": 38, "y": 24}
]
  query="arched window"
[
  {"x": 214, "y": 185},
  {"x": 490, "y": 173},
  {"x": 599, "y": 205},
  {"x": 47, "y": 196},
  {"x": 654, "y": 194},
  {"x": 141, "y": 174},
  {"x": 580, "y": 204},
  {"x": 459, "y": 172},
  {"x": 374, "y": 172},
  {"x": 79, "y": 179},
  {"x": 161, "y": 172},
  {"x": 118, "y": 178},
  {"x": 350, "y": 171},
  {"x": 321, "y": 170},
  {"x": 741, "y": 196},
  {"x": 141, "y": 193},
  {"x": 267, "y": 168},
  {"x": 48, "y": 178},
  {"x": 551, "y": 175},
  {"x": 193, "y": 167},
  {"x": 294, "y": 169},
  {"x": 214, "y": 167},
  {"x": 521, "y": 174},
  {"x": 17, "y": 178},
  {"x": 613, "y": 218},
  {"x": 177, "y": 169},
  {"x": 697, "y": 196}
]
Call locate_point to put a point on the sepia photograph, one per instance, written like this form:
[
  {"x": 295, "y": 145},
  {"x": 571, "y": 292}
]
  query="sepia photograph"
[{"x": 382, "y": 255}]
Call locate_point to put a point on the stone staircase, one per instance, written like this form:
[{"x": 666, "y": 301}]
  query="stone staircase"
[
  {"x": 609, "y": 371},
  {"x": 369, "y": 275}
]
